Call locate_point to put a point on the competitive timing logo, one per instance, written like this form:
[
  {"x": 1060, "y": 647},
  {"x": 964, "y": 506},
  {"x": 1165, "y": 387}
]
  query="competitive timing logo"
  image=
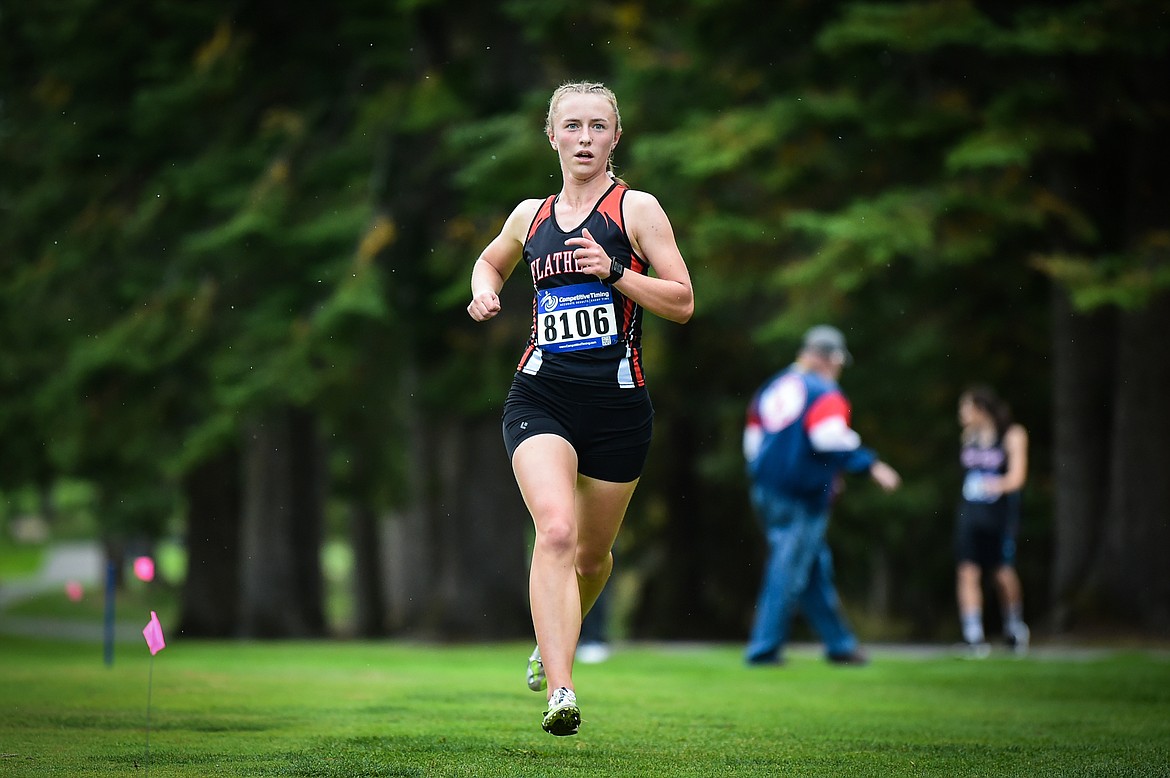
[{"x": 573, "y": 296}]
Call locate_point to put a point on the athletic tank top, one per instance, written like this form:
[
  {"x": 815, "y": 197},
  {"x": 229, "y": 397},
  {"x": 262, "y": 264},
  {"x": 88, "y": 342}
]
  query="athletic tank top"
[
  {"x": 977, "y": 507},
  {"x": 582, "y": 329},
  {"x": 979, "y": 462}
]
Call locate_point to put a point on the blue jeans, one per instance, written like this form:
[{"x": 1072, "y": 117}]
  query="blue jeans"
[{"x": 799, "y": 574}]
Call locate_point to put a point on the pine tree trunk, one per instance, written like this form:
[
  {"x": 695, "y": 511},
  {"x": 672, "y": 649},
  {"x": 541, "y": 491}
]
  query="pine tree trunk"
[
  {"x": 1082, "y": 386},
  {"x": 309, "y": 486},
  {"x": 480, "y": 561},
  {"x": 369, "y": 604},
  {"x": 1134, "y": 573},
  {"x": 674, "y": 602},
  {"x": 209, "y": 600},
  {"x": 457, "y": 564},
  {"x": 281, "y": 591},
  {"x": 409, "y": 534}
]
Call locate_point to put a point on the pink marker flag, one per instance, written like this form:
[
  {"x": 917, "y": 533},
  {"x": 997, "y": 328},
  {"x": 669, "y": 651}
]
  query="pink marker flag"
[
  {"x": 144, "y": 568},
  {"x": 74, "y": 591},
  {"x": 153, "y": 634}
]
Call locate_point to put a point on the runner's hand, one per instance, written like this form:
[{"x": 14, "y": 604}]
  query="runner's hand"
[
  {"x": 589, "y": 256},
  {"x": 484, "y": 306}
]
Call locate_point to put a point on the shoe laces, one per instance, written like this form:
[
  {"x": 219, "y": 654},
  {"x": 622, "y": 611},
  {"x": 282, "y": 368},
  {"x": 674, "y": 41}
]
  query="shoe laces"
[{"x": 561, "y": 696}]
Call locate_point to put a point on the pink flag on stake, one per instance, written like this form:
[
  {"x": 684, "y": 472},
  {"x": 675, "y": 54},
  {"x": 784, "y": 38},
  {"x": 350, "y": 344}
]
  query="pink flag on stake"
[
  {"x": 153, "y": 634},
  {"x": 74, "y": 591},
  {"x": 144, "y": 568}
]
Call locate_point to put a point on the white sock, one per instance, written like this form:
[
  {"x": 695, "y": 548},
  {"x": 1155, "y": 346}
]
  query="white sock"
[{"x": 973, "y": 627}]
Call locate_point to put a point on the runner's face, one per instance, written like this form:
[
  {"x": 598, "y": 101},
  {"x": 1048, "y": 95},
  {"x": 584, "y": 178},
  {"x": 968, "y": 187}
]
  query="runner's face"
[
  {"x": 970, "y": 414},
  {"x": 584, "y": 133}
]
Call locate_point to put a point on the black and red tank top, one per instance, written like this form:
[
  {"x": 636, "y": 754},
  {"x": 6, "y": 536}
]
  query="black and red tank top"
[
  {"x": 980, "y": 462},
  {"x": 977, "y": 505},
  {"x": 583, "y": 330}
]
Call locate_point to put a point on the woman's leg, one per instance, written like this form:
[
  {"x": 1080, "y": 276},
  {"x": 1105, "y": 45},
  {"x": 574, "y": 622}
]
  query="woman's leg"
[
  {"x": 969, "y": 593},
  {"x": 1008, "y": 583},
  {"x": 601, "y": 507},
  {"x": 1011, "y": 599},
  {"x": 546, "y": 472}
]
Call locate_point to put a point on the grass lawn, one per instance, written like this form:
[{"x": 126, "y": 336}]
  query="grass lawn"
[
  {"x": 398, "y": 709},
  {"x": 19, "y": 561}
]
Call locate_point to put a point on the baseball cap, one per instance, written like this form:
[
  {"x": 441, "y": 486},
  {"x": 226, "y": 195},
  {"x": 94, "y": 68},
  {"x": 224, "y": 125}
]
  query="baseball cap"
[{"x": 826, "y": 339}]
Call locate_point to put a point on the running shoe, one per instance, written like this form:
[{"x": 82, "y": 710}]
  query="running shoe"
[
  {"x": 563, "y": 717},
  {"x": 978, "y": 650},
  {"x": 1019, "y": 639},
  {"x": 536, "y": 679}
]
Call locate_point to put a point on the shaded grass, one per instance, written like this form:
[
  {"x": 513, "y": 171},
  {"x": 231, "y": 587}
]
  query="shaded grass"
[
  {"x": 19, "y": 561},
  {"x": 398, "y": 709},
  {"x": 132, "y": 599}
]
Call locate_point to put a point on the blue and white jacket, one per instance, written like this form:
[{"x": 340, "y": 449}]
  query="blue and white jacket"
[{"x": 797, "y": 438}]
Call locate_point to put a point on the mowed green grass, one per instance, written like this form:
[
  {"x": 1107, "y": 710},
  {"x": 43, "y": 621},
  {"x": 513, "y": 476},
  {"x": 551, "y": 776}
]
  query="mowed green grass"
[{"x": 401, "y": 709}]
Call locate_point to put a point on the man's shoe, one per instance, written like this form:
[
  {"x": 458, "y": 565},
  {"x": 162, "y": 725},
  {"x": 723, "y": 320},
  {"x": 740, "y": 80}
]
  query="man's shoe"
[
  {"x": 563, "y": 717},
  {"x": 536, "y": 679},
  {"x": 853, "y": 658},
  {"x": 766, "y": 661}
]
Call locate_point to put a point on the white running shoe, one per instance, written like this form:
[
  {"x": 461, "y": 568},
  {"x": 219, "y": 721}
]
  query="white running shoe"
[
  {"x": 563, "y": 717},
  {"x": 978, "y": 650},
  {"x": 1019, "y": 639},
  {"x": 536, "y": 679}
]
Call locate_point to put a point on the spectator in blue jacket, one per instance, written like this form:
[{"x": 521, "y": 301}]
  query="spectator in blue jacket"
[{"x": 797, "y": 442}]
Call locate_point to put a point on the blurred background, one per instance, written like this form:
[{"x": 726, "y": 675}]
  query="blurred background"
[{"x": 235, "y": 248}]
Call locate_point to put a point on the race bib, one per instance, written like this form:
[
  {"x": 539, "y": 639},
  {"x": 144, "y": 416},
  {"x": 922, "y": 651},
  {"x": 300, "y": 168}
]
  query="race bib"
[
  {"x": 975, "y": 488},
  {"x": 574, "y": 318}
]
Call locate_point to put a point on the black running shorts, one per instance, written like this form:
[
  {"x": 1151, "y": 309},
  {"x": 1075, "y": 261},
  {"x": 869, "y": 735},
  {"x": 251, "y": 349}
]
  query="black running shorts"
[
  {"x": 986, "y": 534},
  {"x": 608, "y": 427}
]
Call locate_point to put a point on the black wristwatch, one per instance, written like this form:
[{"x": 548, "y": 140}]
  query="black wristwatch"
[{"x": 616, "y": 269}]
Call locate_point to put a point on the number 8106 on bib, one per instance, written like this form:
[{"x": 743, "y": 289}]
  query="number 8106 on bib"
[{"x": 577, "y": 317}]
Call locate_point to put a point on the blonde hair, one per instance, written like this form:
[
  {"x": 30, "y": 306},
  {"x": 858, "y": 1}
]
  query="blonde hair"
[
  {"x": 581, "y": 88},
  {"x": 584, "y": 88}
]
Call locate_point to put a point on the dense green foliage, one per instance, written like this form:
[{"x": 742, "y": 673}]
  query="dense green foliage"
[
  {"x": 212, "y": 210},
  {"x": 357, "y": 709}
]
